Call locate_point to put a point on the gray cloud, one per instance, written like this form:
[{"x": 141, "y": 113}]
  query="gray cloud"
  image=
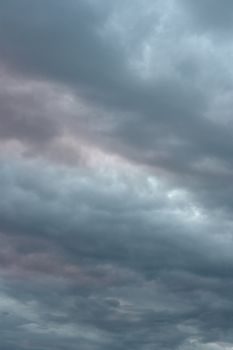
[
  {"x": 166, "y": 112},
  {"x": 211, "y": 15},
  {"x": 115, "y": 175},
  {"x": 120, "y": 259}
]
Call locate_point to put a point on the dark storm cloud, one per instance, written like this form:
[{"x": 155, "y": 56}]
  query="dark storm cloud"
[
  {"x": 123, "y": 263},
  {"x": 159, "y": 121},
  {"x": 98, "y": 253},
  {"x": 60, "y": 40}
]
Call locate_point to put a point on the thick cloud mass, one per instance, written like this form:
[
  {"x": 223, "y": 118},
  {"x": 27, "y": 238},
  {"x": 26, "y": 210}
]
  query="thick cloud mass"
[{"x": 116, "y": 175}]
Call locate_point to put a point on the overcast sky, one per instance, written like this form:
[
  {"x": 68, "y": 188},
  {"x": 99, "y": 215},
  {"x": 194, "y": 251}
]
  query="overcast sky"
[{"x": 116, "y": 174}]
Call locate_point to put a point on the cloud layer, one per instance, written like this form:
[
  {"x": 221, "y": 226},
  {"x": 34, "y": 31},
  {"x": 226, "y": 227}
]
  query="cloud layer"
[{"x": 115, "y": 175}]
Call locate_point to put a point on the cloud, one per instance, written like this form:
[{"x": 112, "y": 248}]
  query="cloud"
[
  {"x": 115, "y": 175},
  {"x": 211, "y": 15},
  {"x": 110, "y": 240}
]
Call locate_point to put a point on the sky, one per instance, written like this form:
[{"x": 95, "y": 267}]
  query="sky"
[{"x": 116, "y": 169}]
